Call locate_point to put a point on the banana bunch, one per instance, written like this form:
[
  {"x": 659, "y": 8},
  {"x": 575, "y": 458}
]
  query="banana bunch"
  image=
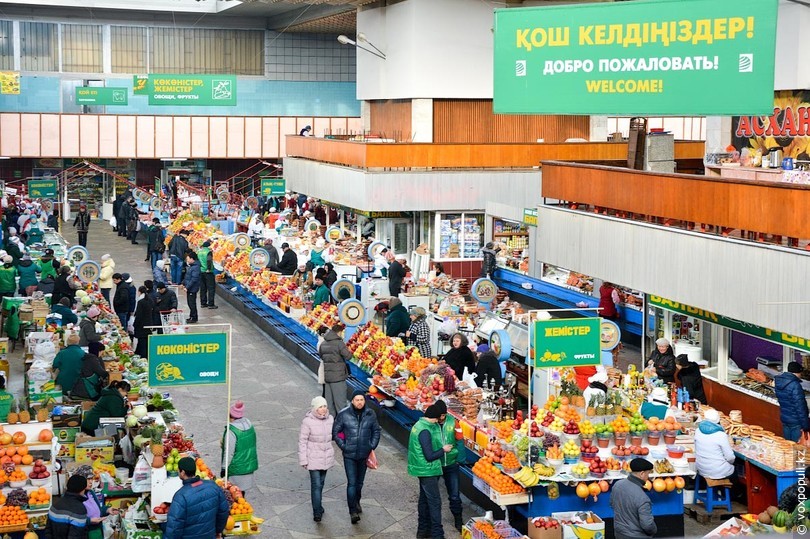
[
  {"x": 543, "y": 471},
  {"x": 663, "y": 466},
  {"x": 527, "y": 477},
  {"x": 50, "y": 385}
]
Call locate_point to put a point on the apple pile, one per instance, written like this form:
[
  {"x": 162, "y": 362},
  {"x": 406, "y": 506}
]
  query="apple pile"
[
  {"x": 40, "y": 471},
  {"x": 518, "y": 420},
  {"x": 571, "y": 428},
  {"x": 546, "y": 523},
  {"x": 587, "y": 448},
  {"x": 534, "y": 430},
  {"x": 548, "y": 420},
  {"x": 533, "y": 412},
  {"x": 161, "y": 509},
  {"x": 597, "y": 466}
]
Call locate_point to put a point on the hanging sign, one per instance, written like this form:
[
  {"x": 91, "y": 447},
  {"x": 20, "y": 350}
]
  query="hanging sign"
[
  {"x": 567, "y": 342},
  {"x": 258, "y": 259},
  {"x": 530, "y": 216},
  {"x": 271, "y": 187},
  {"x": 636, "y": 58},
  {"x": 101, "y": 96},
  {"x": 484, "y": 290},
  {"x": 333, "y": 234},
  {"x": 77, "y": 254},
  {"x": 785, "y": 128},
  {"x": 43, "y": 188},
  {"x": 88, "y": 271},
  {"x": 190, "y": 90},
  {"x": 185, "y": 359}
]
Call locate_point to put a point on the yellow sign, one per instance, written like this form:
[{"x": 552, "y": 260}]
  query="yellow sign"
[{"x": 10, "y": 82}]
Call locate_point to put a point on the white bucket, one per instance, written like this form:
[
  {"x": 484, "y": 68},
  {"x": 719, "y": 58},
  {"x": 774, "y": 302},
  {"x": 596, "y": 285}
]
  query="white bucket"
[
  {"x": 688, "y": 497},
  {"x": 122, "y": 474}
]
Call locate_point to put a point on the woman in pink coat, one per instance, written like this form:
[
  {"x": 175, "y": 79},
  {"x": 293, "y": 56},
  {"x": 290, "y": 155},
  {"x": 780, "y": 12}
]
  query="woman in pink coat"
[{"x": 315, "y": 451}]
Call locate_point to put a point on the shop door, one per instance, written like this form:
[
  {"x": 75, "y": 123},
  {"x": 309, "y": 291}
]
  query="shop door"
[{"x": 402, "y": 236}]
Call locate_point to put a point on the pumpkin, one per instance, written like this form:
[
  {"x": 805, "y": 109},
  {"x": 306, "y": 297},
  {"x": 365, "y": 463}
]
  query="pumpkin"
[
  {"x": 30, "y": 535},
  {"x": 659, "y": 485}
]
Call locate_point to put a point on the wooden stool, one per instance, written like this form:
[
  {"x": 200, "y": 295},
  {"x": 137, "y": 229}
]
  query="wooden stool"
[{"x": 717, "y": 493}]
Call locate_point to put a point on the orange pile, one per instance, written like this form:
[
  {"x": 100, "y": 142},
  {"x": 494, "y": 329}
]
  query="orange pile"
[
  {"x": 487, "y": 529},
  {"x": 11, "y": 515},
  {"x": 567, "y": 411},
  {"x": 39, "y": 497},
  {"x": 241, "y": 507},
  {"x": 510, "y": 461},
  {"x": 493, "y": 477},
  {"x": 503, "y": 430},
  {"x": 620, "y": 424},
  {"x": 17, "y": 475}
]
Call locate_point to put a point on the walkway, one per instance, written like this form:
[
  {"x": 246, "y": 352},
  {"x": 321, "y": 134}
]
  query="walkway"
[{"x": 277, "y": 392}]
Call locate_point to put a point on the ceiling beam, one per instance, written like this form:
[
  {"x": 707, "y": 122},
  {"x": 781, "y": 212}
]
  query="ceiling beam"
[{"x": 305, "y": 14}]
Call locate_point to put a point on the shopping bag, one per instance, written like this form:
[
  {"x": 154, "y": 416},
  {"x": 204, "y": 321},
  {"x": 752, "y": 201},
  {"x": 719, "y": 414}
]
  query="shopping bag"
[
  {"x": 371, "y": 461},
  {"x": 113, "y": 221}
]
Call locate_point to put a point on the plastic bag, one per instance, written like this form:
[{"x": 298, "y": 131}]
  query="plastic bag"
[
  {"x": 127, "y": 450},
  {"x": 131, "y": 325},
  {"x": 142, "y": 476},
  {"x": 321, "y": 375},
  {"x": 45, "y": 351},
  {"x": 371, "y": 461},
  {"x": 447, "y": 328},
  {"x": 469, "y": 379},
  {"x": 113, "y": 221}
]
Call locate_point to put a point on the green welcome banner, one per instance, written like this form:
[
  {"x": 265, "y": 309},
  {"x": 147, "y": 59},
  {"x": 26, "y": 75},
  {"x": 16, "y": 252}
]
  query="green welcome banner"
[
  {"x": 42, "y": 188},
  {"x": 188, "y": 359},
  {"x": 273, "y": 186},
  {"x": 668, "y": 57},
  {"x": 567, "y": 342},
  {"x": 101, "y": 96},
  {"x": 194, "y": 90},
  {"x": 785, "y": 339}
]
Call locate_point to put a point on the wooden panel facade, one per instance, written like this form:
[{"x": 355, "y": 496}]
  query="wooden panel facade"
[
  {"x": 391, "y": 119},
  {"x": 761, "y": 206},
  {"x": 473, "y": 121}
]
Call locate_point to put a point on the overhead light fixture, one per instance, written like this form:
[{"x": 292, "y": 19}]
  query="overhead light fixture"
[
  {"x": 174, "y": 158},
  {"x": 345, "y": 40},
  {"x": 3, "y": 157}
]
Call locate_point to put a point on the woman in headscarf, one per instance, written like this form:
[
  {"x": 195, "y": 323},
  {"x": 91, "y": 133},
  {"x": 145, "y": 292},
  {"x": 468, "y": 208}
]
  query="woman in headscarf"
[
  {"x": 460, "y": 357},
  {"x": 663, "y": 359},
  {"x": 419, "y": 332}
]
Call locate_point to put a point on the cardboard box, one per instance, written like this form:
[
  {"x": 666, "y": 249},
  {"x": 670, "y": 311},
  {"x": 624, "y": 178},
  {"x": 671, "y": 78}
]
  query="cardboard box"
[
  {"x": 67, "y": 450},
  {"x": 55, "y": 395},
  {"x": 66, "y": 434},
  {"x": 580, "y": 529},
  {"x": 3, "y": 346},
  {"x": 540, "y": 533},
  {"x": 67, "y": 420},
  {"x": 102, "y": 448}
]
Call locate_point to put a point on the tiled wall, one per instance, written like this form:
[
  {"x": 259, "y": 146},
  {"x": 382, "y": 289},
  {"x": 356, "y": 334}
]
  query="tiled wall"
[{"x": 309, "y": 57}]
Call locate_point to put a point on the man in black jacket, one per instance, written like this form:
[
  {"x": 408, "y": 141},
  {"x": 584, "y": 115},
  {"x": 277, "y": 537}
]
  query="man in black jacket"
[
  {"x": 177, "y": 255},
  {"x": 166, "y": 299},
  {"x": 121, "y": 299},
  {"x": 289, "y": 261},
  {"x": 490, "y": 254},
  {"x": 82, "y": 224},
  {"x": 396, "y": 273},
  {"x": 67, "y": 516}
]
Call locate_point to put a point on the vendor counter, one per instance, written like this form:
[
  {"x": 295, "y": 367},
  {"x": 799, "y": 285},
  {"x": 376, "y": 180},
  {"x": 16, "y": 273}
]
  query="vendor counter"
[{"x": 755, "y": 410}]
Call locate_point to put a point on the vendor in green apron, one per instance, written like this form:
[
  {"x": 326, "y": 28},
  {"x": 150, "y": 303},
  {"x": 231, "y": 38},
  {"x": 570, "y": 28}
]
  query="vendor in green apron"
[
  {"x": 6, "y": 398},
  {"x": 34, "y": 232},
  {"x": 657, "y": 404}
]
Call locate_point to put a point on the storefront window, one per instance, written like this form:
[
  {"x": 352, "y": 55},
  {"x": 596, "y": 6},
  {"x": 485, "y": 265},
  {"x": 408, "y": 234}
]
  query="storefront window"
[
  {"x": 460, "y": 235},
  {"x": 568, "y": 279},
  {"x": 513, "y": 238}
]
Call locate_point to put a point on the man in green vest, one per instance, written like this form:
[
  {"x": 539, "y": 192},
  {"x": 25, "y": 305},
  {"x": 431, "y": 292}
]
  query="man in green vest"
[
  {"x": 426, "y": 456},
  {"x": 242, "y": 458},
  {"x": 208, "y": 284},
  {"x": 456, "y": 456},
  {"x": 321, "y": 292}
]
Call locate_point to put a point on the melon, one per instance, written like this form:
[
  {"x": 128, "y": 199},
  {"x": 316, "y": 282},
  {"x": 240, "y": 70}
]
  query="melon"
[
  {"x": 764, "y": 518},
  {"x": 779, "y": 519}
]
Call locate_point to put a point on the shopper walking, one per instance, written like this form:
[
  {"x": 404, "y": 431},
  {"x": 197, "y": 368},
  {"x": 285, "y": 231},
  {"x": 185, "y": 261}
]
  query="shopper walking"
[
  {"x": 242, "y": 457},
  {"x": 208, "y": 284},
  {"x": 199, "y": 508},
  {"x": 166, "y": 298},
  {"x": 121, "y": 299},
  {"x": 460, "y": 357},
  {"x": 191, "y": 284},
  {"x": 82, "y": 224},
  {"x": 360, "y": 435},
  {"x": 113, "y": 402},
  {"x": 397, "y": 321},
  {"x": 105, "y": 281},
  {"x": 156, "y": 246},
  {"x": 419, "y": 332},
  {"x": 426, "y": 454},
  {"x": 177, "y": 255},
  {"x": 663, "y": 359},
  {"x": 396, "y": 273},
  {"x": 632, "y": 508},
  {"x": 334, "y": 355},
  {"x": 792, "y": 404},
  {"x": 132, "y": 221},
  {"x": 28, "y": 271},
  {"x": 144, "y": 318},
  {"x": 87, "y": 327},
  {"x": 315, "y": 450},
  {"x": 8, "y": 277}
]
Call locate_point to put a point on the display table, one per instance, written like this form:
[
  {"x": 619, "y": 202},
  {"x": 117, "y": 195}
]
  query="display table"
[{"x": 763, "y": 484}]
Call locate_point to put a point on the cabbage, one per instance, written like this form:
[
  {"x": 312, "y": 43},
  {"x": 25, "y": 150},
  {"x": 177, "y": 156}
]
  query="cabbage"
[
  {"x": 131, "y": 421},
  {"x": 139, "y": 411},
  {"x": 139, "y": 441},
  {"x": 86, "y": 300},
  {"x": 81, "y": 293}
]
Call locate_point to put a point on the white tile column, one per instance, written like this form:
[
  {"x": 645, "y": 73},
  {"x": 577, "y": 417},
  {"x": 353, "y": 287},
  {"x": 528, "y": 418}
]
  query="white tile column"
[{"x": 422, "y": 120}]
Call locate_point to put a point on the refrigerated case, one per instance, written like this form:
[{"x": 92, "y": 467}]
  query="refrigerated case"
[
  {"x": 514, "y": 239},
  {"x": 459, "y": 235}
]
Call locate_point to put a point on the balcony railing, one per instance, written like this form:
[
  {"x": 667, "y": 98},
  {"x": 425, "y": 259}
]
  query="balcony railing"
[
  {"x": 371, "y": 155},
  {"x": 763, "y": 211}
]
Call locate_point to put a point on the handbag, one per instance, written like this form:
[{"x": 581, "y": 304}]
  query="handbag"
[{"x": 371, "y": 461}]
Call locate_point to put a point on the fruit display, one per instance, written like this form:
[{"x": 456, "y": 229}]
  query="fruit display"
[
  {"x": 39, "y": 496},
  {"x": 503, "y": 429},
  {"x": 545, "y": 523},
  {"x": 620, "y": 425},
  {"x": 172, "y": 461},
  {"x": 613, "y": 464},
  {"x": 586, "y": 429},
  {"x": 325, "y": 314},
  {"x": 17, "y": 497},
  {"x": 603, "y": 429},
  {"x": 489, "y": 530},
  {"x": 372, "y": 348},
  {"x": 529, "y": 476},
  {"x": 39, "y": 471},
  {"x": 588, "y": 448},
  {"x": 554, "y": 453},
  {"x": 510, "y": 461},
  {"x": 597, "y": 466},
  {"x": 571, "y": 450},
  {"x": 638, "y": 425},
  {"x": 550, "y": 440},
  {"x": 496, "y": 452},
  {"x": 557, "y": 425},
  {"x": 663, "y": 466},
  {"x": 543, "y": 471},
  {"x": 766, "y": 517},
  {"x": 241, "y": 507},
  {"x": 492, "y": 476},
  {"x": 627, "y": 451},
  {"x": 571, "y": 428},
  {"x": 534, "y": 411},
  {"x": 580, "y": 470},
  {"x": 162, "y": 509},
  {"x": 13, "y": 515}
]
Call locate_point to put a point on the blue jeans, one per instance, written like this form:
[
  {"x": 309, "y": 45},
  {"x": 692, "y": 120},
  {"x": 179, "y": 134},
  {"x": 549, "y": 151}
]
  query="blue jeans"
[
  {"x": 792, "y": 432},
  {"x": 355, "y": 475},
  {"x": 124, "y": 318},
  {"x": 450, "y": 474},
  {"x": 176, "y": 269},
  {"x": 106, "y": 293},
  {"x": 316, "y": 481},
  {"x": 153, "y": 258},
  {"x": 429, "y": 510}
]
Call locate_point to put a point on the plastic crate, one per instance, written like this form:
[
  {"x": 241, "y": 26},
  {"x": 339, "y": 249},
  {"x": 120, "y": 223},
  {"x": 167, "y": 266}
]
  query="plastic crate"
[
  {"x": 501, "y": 527},
  {"x": 479, "y": 484}
]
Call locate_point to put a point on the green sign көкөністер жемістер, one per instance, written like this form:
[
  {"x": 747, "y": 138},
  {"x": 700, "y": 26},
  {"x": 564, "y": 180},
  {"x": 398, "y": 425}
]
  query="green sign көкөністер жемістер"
[
  {"x": 185, "y": 359},
  {"x": 194, "y": 90},
  {"x": 567, "y": 342}
]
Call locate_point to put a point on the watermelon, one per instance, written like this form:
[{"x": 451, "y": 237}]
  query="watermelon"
[{"x": 779, "y": 519}]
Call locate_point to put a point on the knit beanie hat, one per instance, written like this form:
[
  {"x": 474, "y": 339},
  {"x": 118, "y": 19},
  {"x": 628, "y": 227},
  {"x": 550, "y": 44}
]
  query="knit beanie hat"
[
  {"x": 434, "y": 411},
  {"x": 93, "y": 311},
  {"x": 237, "y": 410},
  {"x": 76, "y": 483},
  {"x": 358, "y": 392},
  {"x": 640, "y": 465},
  {"x": 317, "y": 402}
]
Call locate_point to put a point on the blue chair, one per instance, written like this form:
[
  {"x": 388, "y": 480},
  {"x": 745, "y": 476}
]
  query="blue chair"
[{"x": 713, "y": 496}]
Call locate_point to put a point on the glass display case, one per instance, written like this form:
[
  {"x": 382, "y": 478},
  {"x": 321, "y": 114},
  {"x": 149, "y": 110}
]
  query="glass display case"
[
  {"x": 513, "y": 238},
  {"x": 459, "y": 235}
]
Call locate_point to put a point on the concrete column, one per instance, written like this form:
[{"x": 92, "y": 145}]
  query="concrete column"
[
  {"x": 599, "y": 128},
  {"x": 422, "y": 120},
  {"x": 365, "y": 115},
  {"x": 718, "y": 132}
]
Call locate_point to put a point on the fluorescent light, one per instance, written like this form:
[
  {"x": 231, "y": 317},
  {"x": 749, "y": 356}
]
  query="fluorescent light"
[
  {"x": 1, "y": 157},
  {"x": 174, "y": 158}
]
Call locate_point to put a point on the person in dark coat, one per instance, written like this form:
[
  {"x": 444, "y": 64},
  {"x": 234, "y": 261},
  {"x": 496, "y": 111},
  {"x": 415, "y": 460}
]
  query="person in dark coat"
[
  {"x": 331, "y": 275},
  {"x": 144, "y": 316},
  {"x": 116, "y": 208},
  {"x": 133, "y": 216},
  {"x": 792, "y": 403},
  {"x": 63, "y": 309},
  {"x": 490, "y": 263},
  {"x": 289, "y": 261},
  {"x": 87, "y": 327},
  {"x": 488, "y": 368},
  {"x": 177, "y": 255},
  {"x": 82, "y": 224},
  {"x": 67, "y": 517},
  {"x": 690, "y": 378},
  {"x": 396, "y": 273},
  {"x": 93, "y": 376},
  {"x": 272, "y": 253},
  {"x": 398, "y": 321},
  {"x": 334, "y": 355},
  {"x": 631, "y": 505},
  {"x": 460, "y": 357},
  {"x": 192, "y": 285},
  {"x": 663, "y": 359},
  {"x": 53, "y": 220},
  {"x": 121, "y": 299},
  {"x": 65, "y": 286},
  {"x": 608, "y": 301},
  {"x": 166, "y": 299},
  {"x": 361, "y": 433},
  {"x": 112, "y": 403},
  {"x": 199, "y": 508},
  {"x": 46, "y": 285},
  {"x": 122, "y": 217}
]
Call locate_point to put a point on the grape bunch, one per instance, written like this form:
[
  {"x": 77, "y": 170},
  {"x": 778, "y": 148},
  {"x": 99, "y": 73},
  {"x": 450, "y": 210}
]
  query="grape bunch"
[
  {"x": 551, "y": 440},
  {"x": 17, "y": 497}
]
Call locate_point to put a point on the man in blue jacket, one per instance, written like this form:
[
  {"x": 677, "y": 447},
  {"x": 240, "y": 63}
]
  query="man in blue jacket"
[
  {"x": 199, "y": 509},
  {"x": 192, "y": 285},
  {"x": 792, "y": 403}
]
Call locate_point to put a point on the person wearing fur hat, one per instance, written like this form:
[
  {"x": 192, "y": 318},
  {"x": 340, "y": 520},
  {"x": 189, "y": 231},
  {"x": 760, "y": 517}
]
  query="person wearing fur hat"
[
  {"x": 8, "y": 276},
  {"x": 356, "y": 432},
  {"x": 663, "y": 359},
  {"x": 241, "y": 455},
  {"x": 632, "y": 507},
  {"x": 87, "y": 327},
  {"x": 427, "y": 453},
  {"x": 315, "y": 450}
]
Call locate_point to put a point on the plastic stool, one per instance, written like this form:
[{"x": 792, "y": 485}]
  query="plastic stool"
[{"x": 713, "y": 496}]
